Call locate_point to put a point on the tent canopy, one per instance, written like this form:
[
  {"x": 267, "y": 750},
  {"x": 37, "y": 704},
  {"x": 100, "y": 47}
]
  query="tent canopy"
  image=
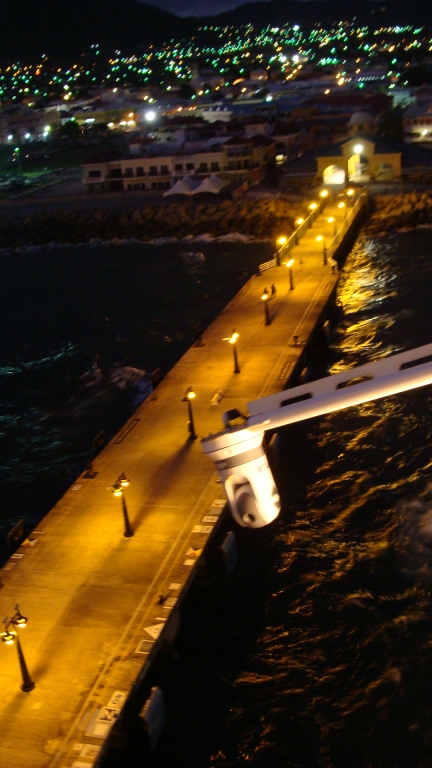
[
  {"x": 190, "y": 182},
  {"x": 183, "y": 186},
  {"x": 212, "y": 184}
]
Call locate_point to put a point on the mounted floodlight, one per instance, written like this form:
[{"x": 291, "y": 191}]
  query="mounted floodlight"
[
  {"x": 358, "y": 149},
  {"x": 150, "y": 116}
]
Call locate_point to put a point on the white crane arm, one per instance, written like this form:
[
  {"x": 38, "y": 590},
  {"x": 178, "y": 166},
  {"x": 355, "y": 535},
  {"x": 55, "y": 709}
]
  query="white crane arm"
[{"x": 398, "y": 373}]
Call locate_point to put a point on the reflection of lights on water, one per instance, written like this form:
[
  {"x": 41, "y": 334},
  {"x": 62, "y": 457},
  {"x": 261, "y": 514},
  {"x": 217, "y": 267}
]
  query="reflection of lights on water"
[{"x": 362, "y": 288}]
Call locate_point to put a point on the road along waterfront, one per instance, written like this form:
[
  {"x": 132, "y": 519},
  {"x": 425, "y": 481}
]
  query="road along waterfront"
[{"x": 96, "y": 600}]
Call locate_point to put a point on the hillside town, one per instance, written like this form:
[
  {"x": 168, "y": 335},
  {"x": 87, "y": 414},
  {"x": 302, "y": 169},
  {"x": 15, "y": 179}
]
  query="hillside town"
[{"x": 246, "y": 105}]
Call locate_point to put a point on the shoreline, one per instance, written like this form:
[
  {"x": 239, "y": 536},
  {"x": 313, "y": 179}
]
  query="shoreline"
[
  {"x": 192, "y": 222},
  {"x": 265, "y": 219}
]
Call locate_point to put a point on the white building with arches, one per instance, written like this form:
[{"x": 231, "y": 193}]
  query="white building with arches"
[{"x": 359, "y": 159}]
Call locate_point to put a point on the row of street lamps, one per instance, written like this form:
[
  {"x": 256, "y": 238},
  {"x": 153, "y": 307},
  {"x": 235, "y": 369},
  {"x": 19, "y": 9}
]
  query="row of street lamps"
[
  {"x": 10, "y": 636},
  {"x": 18, "y": 621},
  {"x": 324, "y": 194},
  {"x": 122, "y": 481},
  {"x": 331, "y": 220}
]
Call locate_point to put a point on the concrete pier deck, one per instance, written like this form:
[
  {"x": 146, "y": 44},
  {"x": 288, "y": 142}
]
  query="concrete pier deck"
[{"x": 92, "y": 596}]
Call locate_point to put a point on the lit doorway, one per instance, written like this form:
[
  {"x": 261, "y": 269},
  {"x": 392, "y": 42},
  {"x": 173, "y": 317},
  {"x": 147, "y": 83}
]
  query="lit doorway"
[
  {"x": 334, "y": 175},
  {"x": 358, "y": 166}
]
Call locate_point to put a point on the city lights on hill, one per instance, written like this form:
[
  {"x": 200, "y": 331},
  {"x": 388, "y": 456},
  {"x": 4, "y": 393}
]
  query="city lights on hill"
[{"x": 232, "y": 52}]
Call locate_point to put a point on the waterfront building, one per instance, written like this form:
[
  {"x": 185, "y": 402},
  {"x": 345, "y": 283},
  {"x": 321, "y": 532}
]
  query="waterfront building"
[{"x": 237, "y": 160}]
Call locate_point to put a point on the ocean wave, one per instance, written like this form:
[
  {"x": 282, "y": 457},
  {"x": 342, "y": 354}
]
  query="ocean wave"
[
  {"x": 231, "y": 237},
  {"x": 53, "y": 245},
  {"x": 63, "y": 354},
  {"x": 97, "y": 387},
  {"x": 193, "y": 258}
]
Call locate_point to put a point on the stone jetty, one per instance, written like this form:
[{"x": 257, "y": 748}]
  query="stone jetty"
[
  {"x": 397, "y": 211},
  {"x": 258, "y": 218}
]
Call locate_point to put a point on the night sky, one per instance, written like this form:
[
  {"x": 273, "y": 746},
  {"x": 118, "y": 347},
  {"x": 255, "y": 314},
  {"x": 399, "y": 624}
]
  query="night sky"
[{"x": 198, "y": 7}]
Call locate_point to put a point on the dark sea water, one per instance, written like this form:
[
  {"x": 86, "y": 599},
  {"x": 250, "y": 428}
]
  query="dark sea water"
[
  {"x": 81, "y": 329},
  {"x": 327, "y": 658}
]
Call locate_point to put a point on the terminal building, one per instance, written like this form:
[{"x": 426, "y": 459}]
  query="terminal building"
[{"x": 362, "y": 156}]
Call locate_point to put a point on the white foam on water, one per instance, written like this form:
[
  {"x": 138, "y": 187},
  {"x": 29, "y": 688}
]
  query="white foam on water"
[{"x": 230, "y": 237}]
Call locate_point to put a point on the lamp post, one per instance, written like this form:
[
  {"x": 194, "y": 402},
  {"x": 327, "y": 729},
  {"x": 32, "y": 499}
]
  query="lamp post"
[
  {"x": 117, "y": 489},
  {"x": 298, "y": 223},
  {"x": 265, "y": 298},
  {"x": 233, "y": 340},
  {"x": 280, "y": 242},
  {"x": 324, "y": 194},
  {"x": 290, "y": 265},
  {"x": 332, "y": 220},
  {"x": 343, "y": 206},
  {"x": 312, "y": 207},
  {"x": 322, "y": 239},
  {"x": 9, "y": 637},
  {"x": 188, "y": 397}
]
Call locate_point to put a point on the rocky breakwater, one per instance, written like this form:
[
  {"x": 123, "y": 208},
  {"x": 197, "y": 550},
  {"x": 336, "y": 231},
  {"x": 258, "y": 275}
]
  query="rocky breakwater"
[
  {"x": 264, "y": 219},
  {"x": 398, "y": 211}
]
